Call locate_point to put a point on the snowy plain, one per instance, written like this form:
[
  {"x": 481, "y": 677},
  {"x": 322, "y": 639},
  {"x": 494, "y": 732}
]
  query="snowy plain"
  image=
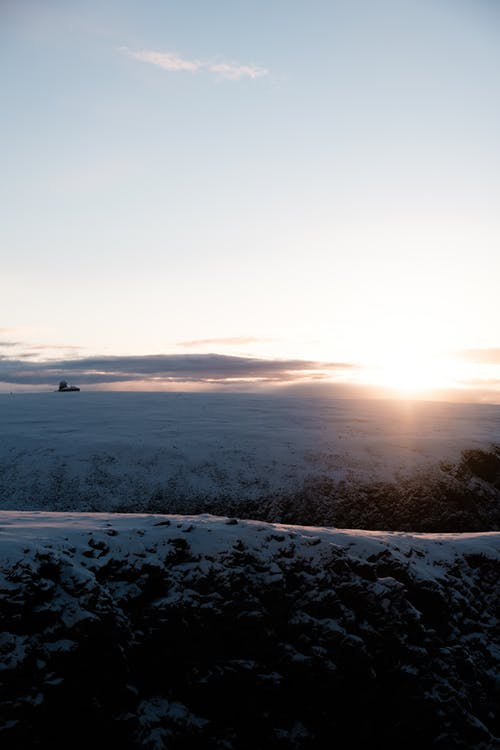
[
  {"x": 120, "y": 451},
  {"x": 148, "y": 631}
]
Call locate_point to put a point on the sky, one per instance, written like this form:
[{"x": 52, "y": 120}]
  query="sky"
[{"x": 234, "y": 194}]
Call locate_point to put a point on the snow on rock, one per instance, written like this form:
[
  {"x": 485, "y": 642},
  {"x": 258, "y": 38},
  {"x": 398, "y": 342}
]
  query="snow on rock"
[{"x": 153, "y": 631}]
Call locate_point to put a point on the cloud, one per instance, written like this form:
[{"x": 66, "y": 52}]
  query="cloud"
[
  {"x": 32, "y": 351},
  {"x": 227, "y": 341},
  {"x": 166, "y": 368},
  {"x": 474, "y": 382},
  {"x": 481, "y": 356},
  {"x": 167, "y": 60},
  {"x": 174, "y": 63},
  {"x": 42, "y": 347},
  {"x": 233, "y": 71}
]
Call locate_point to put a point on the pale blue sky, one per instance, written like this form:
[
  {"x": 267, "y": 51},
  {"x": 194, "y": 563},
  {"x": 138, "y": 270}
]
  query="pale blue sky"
[{"x": 325, "y": 180}]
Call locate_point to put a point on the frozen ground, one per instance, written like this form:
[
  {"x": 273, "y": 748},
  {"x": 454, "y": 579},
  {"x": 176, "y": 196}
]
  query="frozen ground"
[
  {"x": 156, "y": 632},
  {"x": 182, "y": 452},
  {"x": 153, "y": 632}
]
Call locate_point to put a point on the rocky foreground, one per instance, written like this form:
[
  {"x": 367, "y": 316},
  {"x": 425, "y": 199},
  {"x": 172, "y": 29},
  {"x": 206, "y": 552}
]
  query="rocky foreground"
[{"x": 149, "y": 631}]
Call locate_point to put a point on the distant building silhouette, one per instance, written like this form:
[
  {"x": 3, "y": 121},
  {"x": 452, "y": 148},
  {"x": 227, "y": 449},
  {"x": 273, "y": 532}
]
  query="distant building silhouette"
[{"x": 63, "y": 386}]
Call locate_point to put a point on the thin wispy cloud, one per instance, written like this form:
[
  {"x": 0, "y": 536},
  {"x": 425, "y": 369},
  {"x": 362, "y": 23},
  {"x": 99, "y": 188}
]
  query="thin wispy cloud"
[
  {"x": 175, "y": 63},
  {"x": 30, "y": 351},
  {"x": 63, "y": 347},
  {"x": 481, "y": 356},
  {"x": 225, "y": 341},
  {"x": 475, "y": 382},
  {"x": 234, "y": 71},
  {"x": 8, "y": 331}
]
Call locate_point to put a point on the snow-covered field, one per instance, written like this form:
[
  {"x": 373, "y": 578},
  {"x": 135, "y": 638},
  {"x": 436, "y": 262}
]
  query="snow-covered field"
[
  {"x": 167, "y": 632},
  {"x": 144, "y": 631},
  {"x": 211, "y": 452}
]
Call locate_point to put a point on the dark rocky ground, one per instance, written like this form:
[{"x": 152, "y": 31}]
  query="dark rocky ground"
[{"x": 183, "y": 633}]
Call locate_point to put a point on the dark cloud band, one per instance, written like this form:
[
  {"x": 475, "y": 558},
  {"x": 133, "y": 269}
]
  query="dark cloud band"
[{"x": 171, "y": 368}]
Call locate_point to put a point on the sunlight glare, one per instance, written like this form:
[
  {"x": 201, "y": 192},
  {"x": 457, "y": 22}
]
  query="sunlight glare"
[{"x": 412, "y": 373}]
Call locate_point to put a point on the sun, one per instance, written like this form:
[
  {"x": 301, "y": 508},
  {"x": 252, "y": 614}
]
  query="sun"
[{"x": 409, "y": 373}]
